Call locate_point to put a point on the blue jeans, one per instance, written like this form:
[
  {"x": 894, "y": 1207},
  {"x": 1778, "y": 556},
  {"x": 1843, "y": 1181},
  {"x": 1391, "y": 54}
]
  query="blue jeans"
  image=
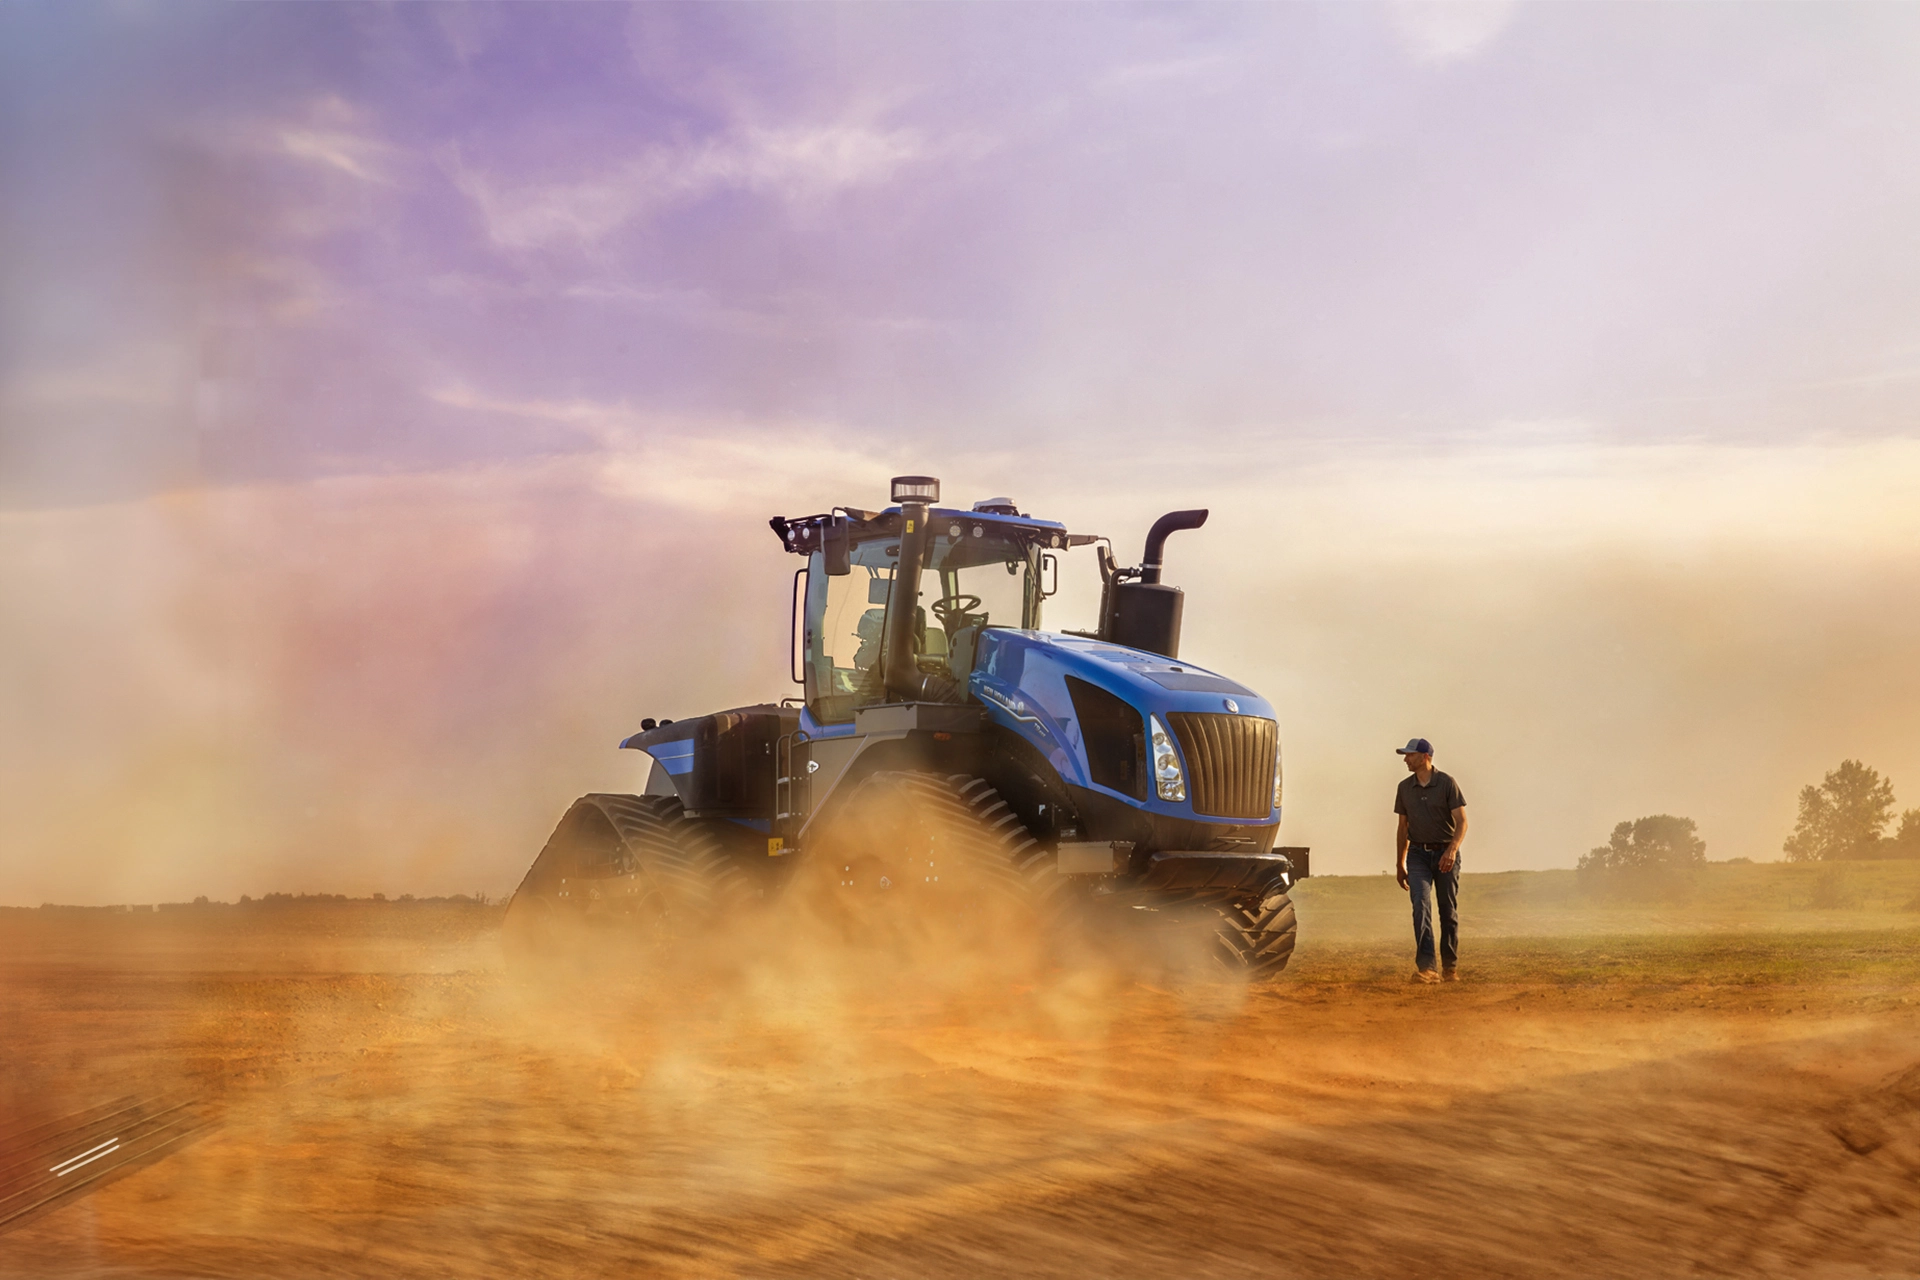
[{"x": 1425, "y": 881}]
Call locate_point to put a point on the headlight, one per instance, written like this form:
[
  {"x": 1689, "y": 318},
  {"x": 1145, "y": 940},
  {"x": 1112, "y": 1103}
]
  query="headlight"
[
  {"x": 1276, "y": 777},
  {"x": 1168, "y": 780}
]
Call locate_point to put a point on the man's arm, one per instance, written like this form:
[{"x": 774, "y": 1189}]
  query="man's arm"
[
  {"x": 1400, "y": 853},
  {"x": 1453, "y": 845}
]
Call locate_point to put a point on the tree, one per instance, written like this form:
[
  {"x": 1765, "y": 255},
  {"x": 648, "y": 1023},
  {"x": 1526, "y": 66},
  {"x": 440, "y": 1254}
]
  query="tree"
[
  {"x": 1843, "y": 817},
  {"x": 1661, "y": 842},
  {"x": 1906, "y": 841}
]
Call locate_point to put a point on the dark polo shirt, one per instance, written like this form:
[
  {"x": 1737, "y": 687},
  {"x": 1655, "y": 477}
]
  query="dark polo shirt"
[{"x": 1429, "y": 809}]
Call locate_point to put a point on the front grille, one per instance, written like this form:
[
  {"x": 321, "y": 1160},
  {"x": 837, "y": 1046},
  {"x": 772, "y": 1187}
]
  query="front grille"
[{"x": 1229, "y": 762}]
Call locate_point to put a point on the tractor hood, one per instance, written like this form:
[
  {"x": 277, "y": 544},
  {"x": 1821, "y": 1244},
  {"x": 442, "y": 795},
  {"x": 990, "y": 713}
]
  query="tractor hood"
[{"x": 1085, "y": 704}]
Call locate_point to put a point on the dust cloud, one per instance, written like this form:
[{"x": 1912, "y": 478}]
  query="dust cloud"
[
  {"x": 782, "y": 1099},
  {"x": 397, "y": 683},
  {"x": 387, "y": 685}
]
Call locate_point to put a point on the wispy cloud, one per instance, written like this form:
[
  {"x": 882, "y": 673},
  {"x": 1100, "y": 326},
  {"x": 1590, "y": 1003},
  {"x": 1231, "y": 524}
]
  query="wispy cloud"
[
  {"x": 328, "y": 133},
  {"x": 139, "y": 375},
  {"x": 606, "y": 424},
  {"x": 795, "y": 165},
  {"x": 692, "y": 463},
  {"x": 1183, "y": 74},
  {"x": 1442, "y": 31},
  {"x": 342, "y": 152}
]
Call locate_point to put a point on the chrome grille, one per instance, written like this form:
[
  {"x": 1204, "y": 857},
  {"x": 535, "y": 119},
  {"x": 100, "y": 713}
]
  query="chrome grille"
[{"x": 1229, "y": 762}]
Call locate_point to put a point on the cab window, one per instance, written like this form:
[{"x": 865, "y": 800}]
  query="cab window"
[
  {"x": 846, "y": 622},
  {"x": 969, "y": 582}
]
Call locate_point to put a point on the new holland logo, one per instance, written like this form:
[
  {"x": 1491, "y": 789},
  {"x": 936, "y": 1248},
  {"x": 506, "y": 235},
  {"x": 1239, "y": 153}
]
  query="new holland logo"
[{"x": 1232, "y": 705}]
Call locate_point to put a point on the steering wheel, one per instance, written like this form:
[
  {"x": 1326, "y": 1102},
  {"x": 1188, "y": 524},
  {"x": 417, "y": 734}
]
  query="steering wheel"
[{"x": 946, "y": 609}]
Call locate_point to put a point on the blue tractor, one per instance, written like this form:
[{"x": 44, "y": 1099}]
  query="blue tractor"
[{"x": 1085, "y": 772}]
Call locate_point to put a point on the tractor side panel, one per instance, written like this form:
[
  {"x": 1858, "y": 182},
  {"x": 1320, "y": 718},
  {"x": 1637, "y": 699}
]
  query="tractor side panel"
[
  {"x": 721, "y": 765},
  {"x": 733, "y": 764}
]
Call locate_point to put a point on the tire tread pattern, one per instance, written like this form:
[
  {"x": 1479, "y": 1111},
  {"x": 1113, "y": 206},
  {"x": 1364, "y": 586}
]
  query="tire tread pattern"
[
  {"x": 1258, "y": 939},
  {"x": 993, "y": 842},
  {"x": 682, "y": 876},
  {"x": 681, "y": 856}
]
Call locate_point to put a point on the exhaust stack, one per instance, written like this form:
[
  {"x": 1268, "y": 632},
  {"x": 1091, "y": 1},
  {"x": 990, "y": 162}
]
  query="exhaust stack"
[
  {"x": 904, "y": 679},
  {"x": 1146, "y": 614}
]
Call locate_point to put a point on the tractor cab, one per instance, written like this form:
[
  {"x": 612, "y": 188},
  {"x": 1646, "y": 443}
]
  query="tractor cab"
[{"x": 980, "y": 568}]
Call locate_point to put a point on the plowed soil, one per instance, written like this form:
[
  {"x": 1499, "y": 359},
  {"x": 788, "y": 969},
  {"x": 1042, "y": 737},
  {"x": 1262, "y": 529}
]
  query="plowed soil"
[{"x": 387, "y": 1101}]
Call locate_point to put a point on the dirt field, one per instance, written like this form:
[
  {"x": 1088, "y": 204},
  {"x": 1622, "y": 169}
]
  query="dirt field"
[{"x": 1728, "y": 1085}]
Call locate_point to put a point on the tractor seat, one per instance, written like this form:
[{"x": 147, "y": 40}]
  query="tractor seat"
[{"x": 870, "y": 630}]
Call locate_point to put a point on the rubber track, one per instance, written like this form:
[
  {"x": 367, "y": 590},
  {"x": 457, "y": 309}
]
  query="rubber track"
[
  {"x": 44, "y": 1164},
  {"x": 679, "y": 854},
  {"x": 685, "y": 879},
  {"x": 1035, "y": 862},
  {"x": 992, "y": 840}
]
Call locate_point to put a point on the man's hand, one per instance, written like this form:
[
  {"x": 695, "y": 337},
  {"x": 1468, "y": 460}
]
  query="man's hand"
[
  {"x": 1452, "y": 854},
  {"x": 1400, "y": 850}
]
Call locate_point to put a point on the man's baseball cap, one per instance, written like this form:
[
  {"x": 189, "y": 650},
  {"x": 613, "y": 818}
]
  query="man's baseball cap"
[{"x": 1415, "y": 747}]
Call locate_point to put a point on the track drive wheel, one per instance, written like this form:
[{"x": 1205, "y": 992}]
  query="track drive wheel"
[
  {"x": 913, "y": 857},
  {"x": 630, "y": 871}
]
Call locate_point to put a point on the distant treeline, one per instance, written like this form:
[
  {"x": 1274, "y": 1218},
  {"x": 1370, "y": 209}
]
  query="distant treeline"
[{"x": 1845, "y": 818}]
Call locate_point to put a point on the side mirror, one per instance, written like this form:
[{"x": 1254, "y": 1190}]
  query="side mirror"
[{"x": 836, "y": 549}]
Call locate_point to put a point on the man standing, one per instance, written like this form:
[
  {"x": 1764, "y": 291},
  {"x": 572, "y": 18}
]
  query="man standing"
[{"x": 1433, "y": 822}]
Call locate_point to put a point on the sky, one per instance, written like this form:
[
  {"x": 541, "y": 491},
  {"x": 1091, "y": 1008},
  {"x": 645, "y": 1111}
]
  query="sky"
[{"x": 392, "y": 397}]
